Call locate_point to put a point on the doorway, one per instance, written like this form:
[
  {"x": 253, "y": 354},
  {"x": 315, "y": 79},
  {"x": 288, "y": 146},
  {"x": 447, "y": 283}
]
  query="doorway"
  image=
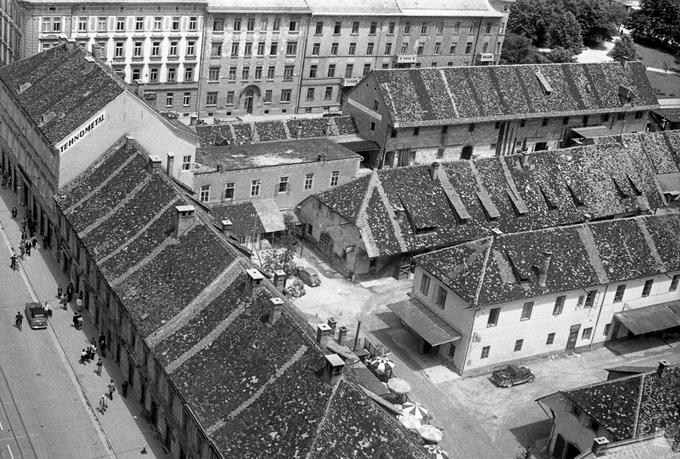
[
  {"x": 466, "y": 153},
  {"x": 250, "y": 96},
  {"x": 573, "y": 336}
]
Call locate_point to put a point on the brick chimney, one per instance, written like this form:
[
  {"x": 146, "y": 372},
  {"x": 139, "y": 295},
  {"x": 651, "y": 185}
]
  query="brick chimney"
[
  {"x": 435, "y": 169},
  {"x": 342, "y": 333},
  {"x": 185, "y": 218},
  {"x": 323, "y": 334},
  {"x": 322, "y": 157},
  {"x": 663, "y": 364},
  {"x": 154, "y": 163},
  {"x": 276, "y": 305},
  {"x": 170, "y": 164},
  {"x": 253, "y": 282},
  {"x": 226, "y": 226},
  {"x": 544, "y": 267},
  {"x": 599, "y": 446},
  {"x": 333, "y": 368},
  {"x": 333, "y": 324}
]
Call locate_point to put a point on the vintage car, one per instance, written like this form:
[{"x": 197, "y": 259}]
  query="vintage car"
[
  {"x": 309, "y": 276},
  {"x": 36, "y": 315},
  {"x": 510, "y": 375}
]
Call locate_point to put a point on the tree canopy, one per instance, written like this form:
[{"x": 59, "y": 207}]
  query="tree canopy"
[
  {"x": 657, "y": 21},
  {"x": 624, "y": 49}
]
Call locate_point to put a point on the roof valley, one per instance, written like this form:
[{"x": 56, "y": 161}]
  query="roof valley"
[
  {"x": 324, "y": 420},
  {"x": 392, "y": 216},
  {"x": 448, "y": 91},
  {"x": 590, "y": 245},
  {"x": 480, "y": 284},
  {"x": 362, "y": 216}
]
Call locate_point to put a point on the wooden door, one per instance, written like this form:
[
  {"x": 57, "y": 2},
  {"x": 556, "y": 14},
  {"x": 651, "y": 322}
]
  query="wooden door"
[{"x": 573, "y": 336}]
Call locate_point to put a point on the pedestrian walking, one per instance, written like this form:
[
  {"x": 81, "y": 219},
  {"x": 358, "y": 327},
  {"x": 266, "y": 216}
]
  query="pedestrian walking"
[
  {"x": 79, "y": 325},
  {"x": 83, "y": 357},
  {"x": 64, "y": 303},
  {"x": 13, "y": 261},
  {"x": 102, "y": 344},
  {"x": 112, "y": 388},
  {"x": 99, "y": 366},
  {"x": 22, "y": 249},
  {"x": 69, "y": 291},
  {"x": 34, "y": 241},
  {"x": 91, "y": 352},
  {"x": 28, "y": 248},
  {"x": 14, "y": 213},
  {"x": 79, "y": 303},
  {"x": 19, "y": 319},
  {"x": 59, "y": 291},
  {"x": 48, "y": 309},
  {"x": 103, "y": 404}
]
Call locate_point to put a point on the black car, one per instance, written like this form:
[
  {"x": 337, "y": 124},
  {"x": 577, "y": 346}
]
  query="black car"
[{"x": 510, "y": 375}]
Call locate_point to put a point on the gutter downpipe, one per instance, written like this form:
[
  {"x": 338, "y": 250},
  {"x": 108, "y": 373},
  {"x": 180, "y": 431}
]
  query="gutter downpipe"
[
  {"x": 302, "y": 63},
  {"x": 597, "y": 321},
  {"x": 200, "y": 69}
]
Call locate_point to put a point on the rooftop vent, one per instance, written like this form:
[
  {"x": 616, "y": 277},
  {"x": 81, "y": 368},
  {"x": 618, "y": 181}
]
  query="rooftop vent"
[
  {"x": 322, "y": 156},
  {"x": 663, "y": 364},
  {"x": 47, "y": 117},
  {"x": 435, "y": 170},
  {"x": 545, "y": 86},
  {"x": 185, "y": 218},
  {"x": 155, "y": 163},
  {"x": 23, "y": 87},
  {"x": 599, "y": 446},
  {"x": 88, "y": 65}
]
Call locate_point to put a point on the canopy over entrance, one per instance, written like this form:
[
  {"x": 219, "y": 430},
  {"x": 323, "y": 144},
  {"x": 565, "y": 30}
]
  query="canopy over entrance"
[
  {"x": 428, "y": 325},
  {"x": 651, "y": 318}
]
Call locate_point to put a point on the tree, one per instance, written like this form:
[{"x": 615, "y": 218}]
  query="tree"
[
  {"x": 658, "y": 22},
  {"x": 565, "y": 32},
  {"x": 518, "y": 49},
  {"x": 599, "y": 19},
  {"x": 546, "y": 24},
  {"x": 624, "y": 49},
  {"x": 560, "y": 55}
]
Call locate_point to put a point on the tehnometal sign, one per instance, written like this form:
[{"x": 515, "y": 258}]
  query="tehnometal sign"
[{"x": 82, "y": 132}]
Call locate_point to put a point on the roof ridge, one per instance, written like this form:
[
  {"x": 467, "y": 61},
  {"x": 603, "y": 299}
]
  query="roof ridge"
[
  {"x": 588, "y": 240},
  {"x": 170, "y": 240},
  {"x": 361, "y": 219},
  {"x": 448, "y": 91},
  {"x": 324, "y": 419},
  {"x": 483, "y": 271},
  {"x": 392, "y": 216}
]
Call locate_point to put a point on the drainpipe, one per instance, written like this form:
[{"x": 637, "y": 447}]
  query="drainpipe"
[
  {"x": 302, "y": 64},
  {"x": 467, "y": 352},
  {"x": 597, "y": 321},
  {"x": 200, "y": 69},
  {"x": 474, "y": 49}
]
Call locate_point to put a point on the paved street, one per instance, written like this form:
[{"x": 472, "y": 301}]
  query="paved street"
[{"x": 47, "y": 399}]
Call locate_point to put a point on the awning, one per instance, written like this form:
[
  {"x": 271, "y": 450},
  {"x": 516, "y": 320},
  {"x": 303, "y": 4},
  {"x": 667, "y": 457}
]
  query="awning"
[
  {"x": 270, "y": 216},
  {"x": 651, "y": 318},
  {"x": 428, "y": 325},
  {"x": 593, "y": 131}
]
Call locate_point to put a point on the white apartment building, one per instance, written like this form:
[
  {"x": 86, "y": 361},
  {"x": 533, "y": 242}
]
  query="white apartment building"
[
  {"x": 514, "y": 296},
  {"x": 10, "y": 31}
]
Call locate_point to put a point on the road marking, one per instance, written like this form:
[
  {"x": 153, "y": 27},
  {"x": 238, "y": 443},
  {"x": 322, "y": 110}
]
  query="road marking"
[{"x": 10, "y": 452}]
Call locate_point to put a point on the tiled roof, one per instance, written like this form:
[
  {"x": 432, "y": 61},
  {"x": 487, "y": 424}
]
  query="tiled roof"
[
  {"x": 62, "y": 89},
  {"x": 505, "y": 268},
  {"x": 254, "y": 387},
  {"x": 243, "y": 217},
  {"x": 614, "y": 404},
  {"x": 436, "y": 96},
  {"x": 271, "y": 154},
  {"x": 354, "y": 7},
  {"x": 459, "y": 8},
  {"x": 276, "y": 130},
  {"x": 511, "y": 194}
]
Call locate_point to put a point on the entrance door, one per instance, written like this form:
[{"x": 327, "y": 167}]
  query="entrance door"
[
  {"x": 573, "y": 336},
  {"x": 249, "y": 101},
  {"x": 466, "y": 153}
]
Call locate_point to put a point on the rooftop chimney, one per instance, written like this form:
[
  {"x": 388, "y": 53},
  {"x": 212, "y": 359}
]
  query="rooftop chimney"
[
  {"x": 543, "y": 268},
  {"x": 525, "y": 160},
  {"x": 323, "y": 334},
  {"x": 327, "y": 131},
  {"x": 155, "y": 163},
  {"x": 333, "y": 368},
  {"x": 599, "y": 446},
  {"x": 434, "y": 170},
  {"x": 170, "y": 164},
  {"x": 342, "y": 333},
  {"x": 322, "y": 156},
  {"x": 253, "y": 282},
  {"x": 663, "y": 364},
  {"x": 333, "y": 324},
  {"x": 185, "y": 218},
  {"x": 275, "y": 312},
  {"x": 88, "y": 65},
  {"x": 226, "y": 225},
  {"x": 70, "y": 44}
]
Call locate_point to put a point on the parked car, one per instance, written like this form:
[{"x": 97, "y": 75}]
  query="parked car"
[
  {"x": 511, "y": 375},
  {"x": 309, "y": 276},
  {"x": 36, "y": 315}
]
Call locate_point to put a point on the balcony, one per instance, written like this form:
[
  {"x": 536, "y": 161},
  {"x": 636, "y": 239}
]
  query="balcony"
[
  {"x": 486, "y": 57},
  {"x": 349, "y": 81},
  {"x": 405, "y": 58}
]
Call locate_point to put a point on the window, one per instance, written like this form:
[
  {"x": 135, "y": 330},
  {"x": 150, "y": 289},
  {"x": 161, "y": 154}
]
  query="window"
[
  {"x": 186, "y": 100},
  {"x": 468, "y": 47},
  {"x": 585, "y": 120},
  {"x": 440, "y": 27},
  {"x": 218, "y": 25},
  {"x": 647, "y": 289},
  {"x": 288, "y": 72},
  {"x": 335, "y": 176},
  {"x": 186, "y": 162},
  {"x": 232, "y": 73},
  {"x": 440, "y": 301},
  {"x": 471, "y": 127},
  {"x": 675, "y": 280},
  {"x": 590, "y": 299},
  {"x": 285, "y": 95},
  {"x": 393, "y": 134},
  {"x": 425, "y": 285},
  {"x": 248, "y": 51},
  {"x": 328, "y": 94},
  {"x": 375, "y": 105},
  {"x": 264, "y": 23},
  {"x": 565, "y": 120},
  {"x": 102, "y": 23},
  {"x": 192, "y": 23},
  {"x": 586, "y": 333},
  {"x": 355, "y": 27},
  {"x": 153, "y": 73},
  {"x": 367, "y": 68},
  {"x": 229, "y": 191},
  {"x": 283, "y": 184},
  {"x": 472, "y": 27},
  {"x": 319, "y": 28},
  {"x": 485, "y": 46},
  {"x": 191, "y": 48},
  {"x": 352, "y": 49},
  {"x": 423, "y": 28},
  {"x": 373, "y": 28},
  {"x": 250, "y": 25},
  {"x": 559, "y": 305},
  {"x": 620, "y": 116},
  {"x": 173, "y": 48},
  {"x": 369, "y": 48},
  {"x": 407, "y": 27},
  {"x": 273, "y": 48},
  {"x": 82, "y": 24},
  {"x": 591, "y": 424},
  {"x": 493, "y": 317},
  {"x": 334, "y": 49},
  {"x": 237, "y": 24},
  {"x": 545, "y": 122},
  {"x": 255, "y": 187},
  {"x": 156, "y": 48},
  {"x": 216, "y": 49},
  {"x": 349, "y": 70},
  {"x": 234, "y": 49},
  {"x": 331, "y": 70},
  {"x": 388, "y": 48},
  {"x": 526, "y": 310},
  {"x": 292, "y": 26},
  {"x": 245, "y": 72},
  {"x": 312, "y": 71},
  {"x": 169, "y": 99},
  {"x": 268, "y": 96},
  {"x": 205, "y": 193},
  {"x": 551, "y": 338},
  {"x": 618, "y": 296},
  {"x": 260, "y": 48},
  {"x": 175, "y": 23},
  {"x": 316, "y": 47},
  {"x": 604, "y": 117},
  {"x": 277, "y": 25},
  {"x": 291, "y": 48},
  {"x": 638, "y": 115},
  {"x": 437, "y": 48},
  {"x": 137, "y": 49},
  {"x": 230, "y": 98},
  {"x": 211, "y": 98},
  {"x": 416, "y": 131},
  {"x": 337, "y": 27},
  {"x": 488, "y": 28},
  {"x": 258, "y": 72},
  {"x": 404, "y": 47},
  {"x": 485, "y": 352},
  {"x": 607, "y": 327},
  {"x": 421, "y": 49},
  {"x": 310, "y": 93},
  {"x": 172, "y": 74},
  {"x": 518, "y": 345},
  {"x": 270, "y": 72},
  {"x": 452, "y": 49},
  {"x": 120, "y": 24},
  {"x": 309, "y": 181},
  {"x": 118, "y": 50}
]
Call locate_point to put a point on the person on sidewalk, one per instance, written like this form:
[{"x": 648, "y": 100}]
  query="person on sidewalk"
[
  {"x": 79, "y": 322},
  {"x": 13, "y": 261},
  {"x": 64, "y": 303},
  {"x": 18, "y": 320},
  {"x": 69, "y": 292},
  {"x": 59, "y": 291},
  {"x": 103, "y": 404},
  {"x": 28, "y": 247},
  {"x": 34, "y": 242},
  {"x": 22, "y": 249},
  {"x": 14, "y": 213},
  {"x": 99, "y": 366},
  {"x": 112, "y": 388},
  {"x": 91, "y": 352},
  {"x": 83, "y": 357},
  {"x": 79, "y": 303},
  {"x": 102, "y": 344},
  {"x": 48, "y": 309}
]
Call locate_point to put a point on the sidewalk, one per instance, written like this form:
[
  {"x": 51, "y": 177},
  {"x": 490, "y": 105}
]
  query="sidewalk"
[{"x": 121, "y": 427}]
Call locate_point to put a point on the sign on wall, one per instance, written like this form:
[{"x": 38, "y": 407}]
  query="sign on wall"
[{"x": 81, "y": 132}]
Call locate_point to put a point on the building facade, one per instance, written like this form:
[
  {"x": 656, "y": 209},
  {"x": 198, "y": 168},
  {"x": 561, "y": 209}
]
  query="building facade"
[
  {"x": 10, "y": 32},
  {"x": 157, "y": 46},
  {"x": 424, "y": 115}
]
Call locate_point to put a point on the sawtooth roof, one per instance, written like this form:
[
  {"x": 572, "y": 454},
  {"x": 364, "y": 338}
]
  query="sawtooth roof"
[
  {"x": 437, "y": 96},
  {"x": 404, "y": 210},
  {"x": 504, "y": 268},
  {"x": 61, "y": 88},
  {"x": 253, "y": 387}
]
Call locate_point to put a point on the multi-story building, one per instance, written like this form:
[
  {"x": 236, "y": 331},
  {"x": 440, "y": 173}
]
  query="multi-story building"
[
  {"x": 513, "y": 296},
  {"x": 346, "y": 40},
  {"x": 62, "y": 109},
  {"x": 422, "y": 115},
  {"x": 10, "y": 31},
  {"x": 393, "y": 214},
  {"x": 627, "y": 417},
  {"x": 157, "y": 45},
  {"x": 207, "y": 345}
]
